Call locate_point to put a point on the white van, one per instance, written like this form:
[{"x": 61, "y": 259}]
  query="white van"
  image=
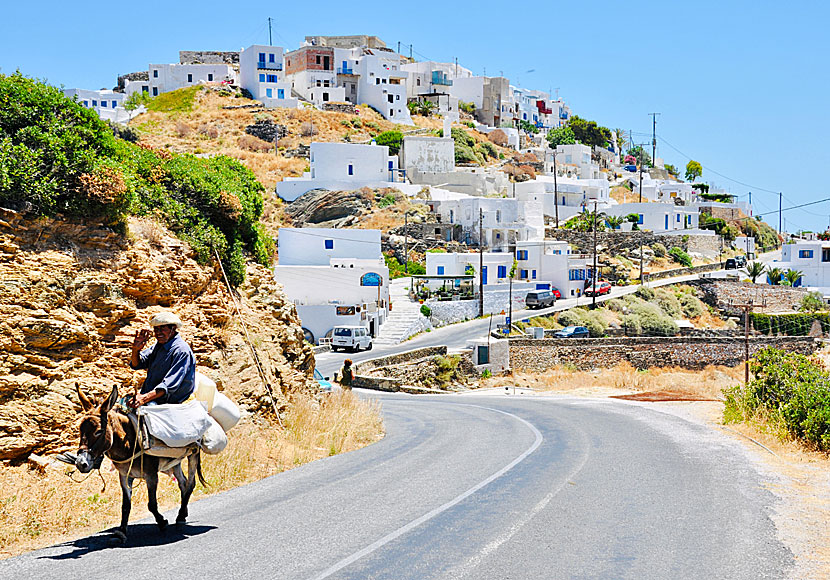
[{"x": 350, "y": 338}]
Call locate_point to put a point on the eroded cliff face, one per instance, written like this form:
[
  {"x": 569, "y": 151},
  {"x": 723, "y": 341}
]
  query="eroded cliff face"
[{"x": 72, "y": 295}]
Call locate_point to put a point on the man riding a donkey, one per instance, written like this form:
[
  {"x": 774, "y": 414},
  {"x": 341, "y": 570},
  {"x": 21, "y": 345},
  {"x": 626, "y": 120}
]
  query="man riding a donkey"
[{"x": 108, "y": 430}]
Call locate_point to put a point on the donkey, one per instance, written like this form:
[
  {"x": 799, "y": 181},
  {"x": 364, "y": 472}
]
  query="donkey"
[{"x": 105, "y": 431}]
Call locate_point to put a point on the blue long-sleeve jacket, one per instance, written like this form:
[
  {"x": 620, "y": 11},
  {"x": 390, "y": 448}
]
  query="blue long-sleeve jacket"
[{"x": 171, "y": 367}]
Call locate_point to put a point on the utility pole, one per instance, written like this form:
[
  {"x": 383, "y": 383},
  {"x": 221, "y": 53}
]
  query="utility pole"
[
  {"x": 747, "y": 308},
  {"x": 555, "y": 189},
  {"x": 654, "y": 137},
  {"x": 456, "y": 67},
  {"x": 780, "y": 197},
  {"x": 405, "y": 240},
  {"x": 594, "y": 273},
  {"x": 641, "y": 176},
  {"x": 641, "y": 258},
  {"x": 270, "y": 42},
  {"x": 399, "y": 47},
  {"x": 480, "y": 262}
]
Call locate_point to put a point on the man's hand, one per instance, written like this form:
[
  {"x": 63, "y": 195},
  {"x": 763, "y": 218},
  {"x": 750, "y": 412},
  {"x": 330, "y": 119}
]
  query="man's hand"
[
  {"x": 144, "y": 398},
  {"x": 141, "y": 338}
]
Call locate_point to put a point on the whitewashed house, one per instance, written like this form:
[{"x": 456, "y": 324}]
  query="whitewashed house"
[
  {"x": 108, "y": 104},
  {"x": 335, "y": 277},
  {"x": 164, "y": 78},
  {"x": 502, "y": 221},
  {"x": 433, "y": 81},
  {"x": 261, "y": 74},
  {"x": 572, "y": 195},
  {"x": 382, "y": 84},
  {"x": 657, "y": 216},
  {"x": 812, "y": 259},
  {"x": 312, "y": 73},
  {"x": 427, "y": 154},
  {"x": 343, "y": 166},
  {"x": 745, "y": 244},
  {"x": 540, "y": 265},
  {"x": 572, "y": 161}
]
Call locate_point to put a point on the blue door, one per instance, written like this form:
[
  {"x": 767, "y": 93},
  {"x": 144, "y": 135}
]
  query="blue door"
[
  {"x": 484, "y": 275},
  {"x": 667, "y": 223},
  {"x": 268, "y": 93},
  {"x": 280, "y": 93}
]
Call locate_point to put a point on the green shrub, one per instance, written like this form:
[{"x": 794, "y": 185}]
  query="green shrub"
[
  {"x": 391, "y": 139},
  {"x": 591, "y": 319},
  {"x": 469, "y": 108},
  {"x": 681, "y": 257},
  {"x": 789, "y": 324},
  {"x": 486, "y": 374},
  {"x": 691, "y": 305},
  {"x": 812, "y": 302},
  {"x": 788, "y": 388},
  {"x": 659, "y": 249},
  {"x": 648, "y": 319},
  {"x": 668, "y": 303},
  {"x": 426, "y": 310},
  {"x": 387, "y": 200},
  {"x": 645, "y": 293},
  {"x": 488, "y": 149}
]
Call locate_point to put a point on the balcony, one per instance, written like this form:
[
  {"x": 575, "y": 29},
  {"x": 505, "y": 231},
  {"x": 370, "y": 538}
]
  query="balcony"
[
  {"x": 262, "y": 65},
  {"x": 342, "y": 70},
  {"x": 440, "y": 78},
  {"x": 563, "y": 115},
  {"x": 543, "y": 109}
]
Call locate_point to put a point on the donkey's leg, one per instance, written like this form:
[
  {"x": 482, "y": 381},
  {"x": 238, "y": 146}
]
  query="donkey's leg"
[
  {"x": 152, "y": 480},
  {"x": 193, "y": 466},
  {"x": 126, "y": 504},
  {"x": 180, "y": 479}
]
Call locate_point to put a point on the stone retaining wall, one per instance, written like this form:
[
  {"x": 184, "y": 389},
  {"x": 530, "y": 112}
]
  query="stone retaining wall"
[
  {"x": 723, "y": 293},
  {"x": 682, "y": 271},
  {"x": 444, "y": 312},
  {"x": 363, "y": 380},
  {"x": 642, "y": 353},
  {"x": 616, "y": 243},
  {"x": 340, "y": 108}
]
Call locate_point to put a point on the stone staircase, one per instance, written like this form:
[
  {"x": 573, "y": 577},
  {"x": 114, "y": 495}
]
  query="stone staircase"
[{"x": 404, "y": 320}]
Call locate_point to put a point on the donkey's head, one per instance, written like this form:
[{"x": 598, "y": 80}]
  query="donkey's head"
[{"x": 96, "y": 431}]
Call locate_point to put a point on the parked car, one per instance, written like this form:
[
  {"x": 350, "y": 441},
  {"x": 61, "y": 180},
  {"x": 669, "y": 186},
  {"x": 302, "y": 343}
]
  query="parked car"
[
  {"x": 350, "y": 338},
  {"x": 731, "y": 264},
  {"x": 631, "y": 168},
  {"x": 572, "y": 332},
  {"x": 540, "y": 299},
  {"x": 602, "y": 288},
  {"x": 556, "y": 292},
  {"x": 325, "y": 385},
  {"x": 740, "y": 260}
]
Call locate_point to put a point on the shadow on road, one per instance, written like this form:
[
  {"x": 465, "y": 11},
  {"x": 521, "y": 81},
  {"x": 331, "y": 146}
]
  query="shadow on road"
[{"x": 138, "y": 536}]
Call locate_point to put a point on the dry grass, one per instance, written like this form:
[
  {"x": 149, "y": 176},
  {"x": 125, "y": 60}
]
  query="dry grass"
[
  {"x": 40, "y": 508},
  {"x": 624, "y": 379}
]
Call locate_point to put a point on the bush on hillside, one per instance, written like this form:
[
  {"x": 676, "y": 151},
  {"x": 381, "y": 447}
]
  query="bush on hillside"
[
  {"x": 659, "y": 250},
  {"x": 645, "y": 293},
  {"x": 591, "y": 319},
  {"x": 681, "y": 257},
  {"x": 798, "y": 324},
  {"x": 789, "y": 389},
  {"x": 58, "y": 157},
  {"x": 391, "y": 139},
  {"x": 648, "y": 319},
  {"x": 691, "y": 305},
  {"x": 668, "y": 303}
]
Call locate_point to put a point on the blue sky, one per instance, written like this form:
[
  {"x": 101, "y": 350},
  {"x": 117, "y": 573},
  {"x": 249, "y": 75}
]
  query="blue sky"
[{"x": 741, "y": 85}]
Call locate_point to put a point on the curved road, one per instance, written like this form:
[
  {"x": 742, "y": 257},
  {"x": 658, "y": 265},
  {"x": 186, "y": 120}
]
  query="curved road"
[{"x": 484, "y": 486}]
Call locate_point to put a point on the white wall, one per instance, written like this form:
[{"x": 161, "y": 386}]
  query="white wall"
[
  {"x": 307, "y": 246},
  {"x": 108, "y": 104},
  {"x": 170, "y": 77},
  {"x": 264, "y": 79},
  {"x": 657, "y": 215},
  {"x": 349, "y": 162},
  {"x": 428, "y": 154},
  {"x": 383, "y": 86}
]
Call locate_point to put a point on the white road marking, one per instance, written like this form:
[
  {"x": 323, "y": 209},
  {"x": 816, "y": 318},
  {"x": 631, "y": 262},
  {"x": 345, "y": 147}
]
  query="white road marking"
[{"x": 442, "y": 508}]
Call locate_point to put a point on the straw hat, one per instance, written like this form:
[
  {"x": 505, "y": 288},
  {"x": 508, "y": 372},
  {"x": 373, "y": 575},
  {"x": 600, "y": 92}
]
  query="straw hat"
[{"x": 165, "y": 318}]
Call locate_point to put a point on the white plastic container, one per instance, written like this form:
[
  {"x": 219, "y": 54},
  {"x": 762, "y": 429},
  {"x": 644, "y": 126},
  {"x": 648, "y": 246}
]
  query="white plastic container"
[
  {"x": 225, "y": 412},
  {"x": 205, "y": 390},
  {"x": 214, "y": 439}
]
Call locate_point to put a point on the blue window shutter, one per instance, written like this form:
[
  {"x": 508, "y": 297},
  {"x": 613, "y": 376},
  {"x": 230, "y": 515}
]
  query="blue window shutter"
[
  {"x": 533, "y": 274},
  {"x": 280, "y": 93},
  {"x": 268, "y": 93},
  {"x": 261, "y": 57},
  {"x": 270, "y": 58},
  {"x": 262, "y": 78},
  {"x": 329, "y": 244},
  {"x": 440, "y": 270},
  {"x": 351, "y": 169},
  {"x": 640, "y": 219}
]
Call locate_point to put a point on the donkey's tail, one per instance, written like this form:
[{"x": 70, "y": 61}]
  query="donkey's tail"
[{"x": 199, "y": 469}]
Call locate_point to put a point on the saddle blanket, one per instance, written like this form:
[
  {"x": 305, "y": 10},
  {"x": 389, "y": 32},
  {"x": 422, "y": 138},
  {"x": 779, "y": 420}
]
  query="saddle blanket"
[{"x": 176, "y": 425}]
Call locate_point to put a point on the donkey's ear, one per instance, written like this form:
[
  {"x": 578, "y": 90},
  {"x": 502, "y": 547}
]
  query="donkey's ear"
[
  {"x": 86, "y": 404},
  {"x": 110, "y": 402}
]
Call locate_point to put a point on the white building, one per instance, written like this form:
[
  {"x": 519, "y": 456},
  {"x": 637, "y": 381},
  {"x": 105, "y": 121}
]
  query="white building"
[
  {"x": 343, "y": 166},
  {"x": 810, "y": 258},
  {"x": 335, "y": 277},
  {"x": 745, "y": 244},
  {"x": 502, "y": 221},
  {"x": 312, "y": 74},
  {"x": 108, "y": 104},
  {"x": 572, "y": 161},
  {"x": 382, "y": 85},
  {"x": 657, "y": 216},
  {"x": 427, "y": 154},
  {"x": 164, "y": 78},
  {"x": 541, "y": 264},
  {"x": 261, "y": 74},
  {"x": 572, "y": 195},
  {"x": 433, "y": 81}
]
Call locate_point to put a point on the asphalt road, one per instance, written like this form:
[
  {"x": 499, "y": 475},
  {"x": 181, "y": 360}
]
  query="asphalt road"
[{"x": 473, "y": 486}]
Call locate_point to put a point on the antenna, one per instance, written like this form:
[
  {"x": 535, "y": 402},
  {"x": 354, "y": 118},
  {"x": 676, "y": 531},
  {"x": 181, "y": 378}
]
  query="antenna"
[
  {"x": 654, "y": 137},
  {"x": 270, "y": 42}
]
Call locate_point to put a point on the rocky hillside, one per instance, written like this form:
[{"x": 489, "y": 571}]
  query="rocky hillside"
[{"x": 73, "y": 294}]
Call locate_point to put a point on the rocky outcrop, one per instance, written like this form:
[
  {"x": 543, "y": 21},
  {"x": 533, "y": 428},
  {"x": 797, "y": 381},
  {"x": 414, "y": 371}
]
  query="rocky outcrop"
[
  {"x": 72, "y": 296},
  {"x": 329, "y": 209},
  {"x": 267, "y": 130}
]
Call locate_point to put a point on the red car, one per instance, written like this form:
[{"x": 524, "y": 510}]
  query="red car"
[
  {"x": 556, "y": 292},
  {"x": 602, "y": 288}
]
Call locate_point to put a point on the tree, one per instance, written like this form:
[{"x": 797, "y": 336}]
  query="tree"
[
  {"x": 754, "y": 270},
  {"x": 634, "y": 220},
  {"x": 774, "y": 275},
  {"x": 391, "y": 139},
  {"x": 793, "y": 276},
  {"x": 640, "y": 154},
  {"x": 673, "y": 171},
  {"x": 615, "y": 221},
  {"x": 621, "y": 140},
  {"x": 561, "y": 136},
  {"x": 693, "y": 170},
  {"x": 589, "y": 133},
  {"x": 528, "y": 127}
]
